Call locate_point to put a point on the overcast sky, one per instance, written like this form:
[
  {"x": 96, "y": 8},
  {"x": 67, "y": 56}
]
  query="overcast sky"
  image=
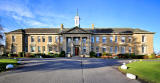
[{"x": 143, "y": 14}]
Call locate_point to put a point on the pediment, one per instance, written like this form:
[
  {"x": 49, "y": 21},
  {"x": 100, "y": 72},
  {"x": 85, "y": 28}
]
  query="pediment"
[{"x": 76, "y": 30}]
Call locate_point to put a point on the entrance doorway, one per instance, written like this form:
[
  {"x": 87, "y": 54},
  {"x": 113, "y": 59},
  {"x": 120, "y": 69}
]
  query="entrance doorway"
[{"x": 76, "y": 51}]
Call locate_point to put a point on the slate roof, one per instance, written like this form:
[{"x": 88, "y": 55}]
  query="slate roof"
[{"x": 96, "y": 30}]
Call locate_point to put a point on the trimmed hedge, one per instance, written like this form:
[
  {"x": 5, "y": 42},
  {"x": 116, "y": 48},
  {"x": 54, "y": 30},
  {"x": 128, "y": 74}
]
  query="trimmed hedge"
[
  {"x": 130, "y": 56},
  {"x": 92, "y": 54}
]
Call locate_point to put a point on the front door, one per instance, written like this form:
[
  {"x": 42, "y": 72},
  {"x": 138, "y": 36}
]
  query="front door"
[{"x": 76, "y": 51}]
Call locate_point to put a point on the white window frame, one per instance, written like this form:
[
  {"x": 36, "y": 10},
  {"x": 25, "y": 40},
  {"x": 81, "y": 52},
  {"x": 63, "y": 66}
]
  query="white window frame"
[
  {"x": 123, "y": 38},
  {"x": 130, "y": 49},
  {"x": 123, "y": 49},
  {"x": 13, "y": 38},
  {"x": 104, "y": 39},
  {"x": 110, "y": 49},
  {"x": 111, "y": 39},
  {"x": 92, "y": 39},
  {"x": 103, "y": 49},
  {"x": 116, "y": 49},
  {"x": 116, "y": 39},
  {"x": 97, "y": 39}
]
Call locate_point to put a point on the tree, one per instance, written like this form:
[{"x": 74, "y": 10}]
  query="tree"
[{"x": 1, "y": 35}]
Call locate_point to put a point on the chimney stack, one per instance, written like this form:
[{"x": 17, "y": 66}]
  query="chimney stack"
[
  {"x": 93, "y": 26},
  {"x": 61, "y": 27}
]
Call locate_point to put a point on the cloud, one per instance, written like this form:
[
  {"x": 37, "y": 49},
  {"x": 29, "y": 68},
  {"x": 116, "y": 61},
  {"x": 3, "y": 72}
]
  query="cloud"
[{"x": 16, "y": 8}]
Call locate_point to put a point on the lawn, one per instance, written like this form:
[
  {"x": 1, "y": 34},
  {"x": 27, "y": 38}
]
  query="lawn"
[
  {"x": 146, "y": 70},
  {"x": 4, "y": 62},
  {"x": 8, "y": 61}
]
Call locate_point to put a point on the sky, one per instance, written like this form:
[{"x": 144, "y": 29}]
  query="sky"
[{"x": 21, "y": 14}]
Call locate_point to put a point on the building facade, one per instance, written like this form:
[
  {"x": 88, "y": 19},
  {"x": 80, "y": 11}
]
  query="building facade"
[{"x": 80, "y": 41}]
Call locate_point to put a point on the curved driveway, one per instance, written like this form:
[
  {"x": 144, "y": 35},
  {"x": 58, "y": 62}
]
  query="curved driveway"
[{"x": 64, "y": 70}]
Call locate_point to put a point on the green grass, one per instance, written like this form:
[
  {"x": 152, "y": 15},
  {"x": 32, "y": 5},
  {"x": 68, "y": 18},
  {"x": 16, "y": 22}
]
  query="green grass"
[
  {"x": 4, "y": 62},
  {"x": 146, "y": 70},
  {"x": 8, "y": 61}
]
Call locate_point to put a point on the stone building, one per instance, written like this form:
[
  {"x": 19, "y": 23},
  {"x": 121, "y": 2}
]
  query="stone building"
[{"x": 80, "y": 41}]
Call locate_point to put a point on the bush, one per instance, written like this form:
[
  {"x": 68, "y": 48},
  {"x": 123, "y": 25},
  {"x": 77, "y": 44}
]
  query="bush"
[
  {"x": 104, "y": 54},
  {"x": 131, "y": 56},
  {"x": 62, "y": 54},
  {"x": 56, "y": 55},
  {"x": 152, "y": 56},
  {"x": 108, "y": 54},
  {"x": 92, "y": 54},
  {"x": 21, "y": 54}
]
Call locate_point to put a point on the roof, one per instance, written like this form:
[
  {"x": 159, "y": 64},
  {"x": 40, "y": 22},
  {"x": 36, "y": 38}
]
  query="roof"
[{"x": 96, "y": 30}]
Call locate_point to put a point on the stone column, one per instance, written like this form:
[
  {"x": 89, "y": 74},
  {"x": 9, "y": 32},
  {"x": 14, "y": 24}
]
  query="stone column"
[
  {"x": 80, "y": 47},
  {"x": 72, "y": 46},
  {"x": 64, "y": 43}
]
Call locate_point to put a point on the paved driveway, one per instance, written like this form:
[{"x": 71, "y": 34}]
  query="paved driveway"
[{"x": 63, "y": 70}]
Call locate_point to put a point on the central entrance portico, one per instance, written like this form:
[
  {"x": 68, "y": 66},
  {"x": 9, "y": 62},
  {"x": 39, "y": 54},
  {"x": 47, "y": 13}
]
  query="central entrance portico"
[{"x": 76, "y": 40}]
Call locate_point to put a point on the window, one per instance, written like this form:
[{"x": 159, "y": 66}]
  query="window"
[
  {"x": 122, "y": 49},
  {"x": 97, "y": 49},
  {"x": 92, "y": 48},
  {"x": 69, "y": 40},
  {"x": 116, "y": 49},
  {"x": 76, "y": 40},
  {"x": 13, "y": 38},
  {"x": 111, "y": 49},
  {"x": 26, "y": 48},
  {"x": 56, "y": 38},
  {"x": 123, "y": 39},
  {"x": 61, "y": 39},
  {"x": 49, "y": 38},
  {"x": 92, "y": 39},
  {"x": 103, "y": 49},
  {"x": 111, "y": 39},
  {"x": 143, "y": 38},
  {"x": 97, "y": 39},
  {"x": 84, "y": 49},
  {"x": 32, "y": 39},
  {"x": 49, "y": 48},
  {"x": 26, "y": 39},
  {"x": 143, "y": 49},
  {"x": 39, "y": 49},
  {"x": 129, "y": 39},
  {"x": 103, "y": 39},
  {"x": 84, "y": 40},
  {"x": 32, "y": 48},
  {"x": 43, "y": 48},
  {"x": 130, "y": 49},
  {"x": 43, "y": 38},
  {"x": 13, "y": 48},
  {"x": 39, "y": 40},
  {"x": 115, "y": 38}
]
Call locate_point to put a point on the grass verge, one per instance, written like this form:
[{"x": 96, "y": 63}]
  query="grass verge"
[
  {"x": 4, "y": 62},
  {"x": 146, "y": 70}
]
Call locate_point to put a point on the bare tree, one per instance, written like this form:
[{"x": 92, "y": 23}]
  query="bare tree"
[{"x": 1, "y": 34}]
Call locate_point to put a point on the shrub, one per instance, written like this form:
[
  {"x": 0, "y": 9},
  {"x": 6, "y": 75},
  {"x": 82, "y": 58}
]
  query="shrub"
[
  {"x": 56, "y": 55},
  {"x": 28, "y": 55},
  {"x": 9, "y": 55},
  {"x": 104, "y": 54},
  {"x": 108, "y": 54},
  {"x": 152, "y": 56},
  {"x": 62, "y": 54},
  {"x": 92, "y": 54},
  {"x": 132, "y": 56}
]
